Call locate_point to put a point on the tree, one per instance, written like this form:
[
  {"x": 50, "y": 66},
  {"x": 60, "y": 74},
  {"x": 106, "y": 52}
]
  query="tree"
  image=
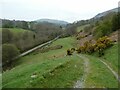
[
  {"x": 7, "y": 24},
  {"x": 115, "y": 22},
  {"x": 9, "y": 51},
  {"x": 70, "y": 30},
  {"x": 104, "y": 28},
  {"x": 6, "y": 36}
]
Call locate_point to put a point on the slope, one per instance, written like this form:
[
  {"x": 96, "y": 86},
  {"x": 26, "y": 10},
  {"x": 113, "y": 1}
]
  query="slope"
[{"x": 51, "y": 69}]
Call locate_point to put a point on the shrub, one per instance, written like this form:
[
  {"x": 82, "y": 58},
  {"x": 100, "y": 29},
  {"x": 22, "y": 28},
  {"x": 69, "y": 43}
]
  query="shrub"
[
  {"x": 90, "y": 49},
  {"x": 80, "y": 37},
  {"x": 81, "y": 49},
  {"x": 104, "y": 40},
  {"x": 9, "y": 51},
  {"x": 72, "y": 50},
  {"x": 102, "y": 43},
  {"x": 99, "y": 46},
  {"x": 78, "y": 50},
  {"x": 69, "y": 52}
]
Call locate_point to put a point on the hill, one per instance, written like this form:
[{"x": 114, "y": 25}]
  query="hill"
[
  {"x": 57, "y": 22},
  {"x": 106, "y": 12}
]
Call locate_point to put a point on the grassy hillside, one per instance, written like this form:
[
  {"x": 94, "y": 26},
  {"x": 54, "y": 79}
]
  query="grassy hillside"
[
  {"x": 99, "y": 75},
  {"x": 46, "y": 71},
  {"x": 16, "y": 30},
  {"x": 16, "y": 35},
  {"x": 81, "y": 28},
  {"x": 111, "y": 57},
  {"x": 38, "y": 57},
  {"x": 53, "y": 68},
  {"x": 19, "y": 30}
]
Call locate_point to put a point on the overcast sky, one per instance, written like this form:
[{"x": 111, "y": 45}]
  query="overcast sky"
[{"x": 68, "y": 10}]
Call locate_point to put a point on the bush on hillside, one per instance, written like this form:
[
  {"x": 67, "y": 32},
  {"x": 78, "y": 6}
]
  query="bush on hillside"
[
  {"x": 81, "y": 49},
  {"x": 102, "y": 43},
  {"x": 80, "y": 37},
  {"x": 99, "y": 46},
  {"x": 72, "y": 49},
  {"x": 69, "y": 52},
  {"x": 104, "y": 40}
]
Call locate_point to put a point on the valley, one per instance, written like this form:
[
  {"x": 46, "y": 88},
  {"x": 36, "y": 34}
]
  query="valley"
[
  {"x": 55, "y": 69},
  {"x": 48, "y": 53}
]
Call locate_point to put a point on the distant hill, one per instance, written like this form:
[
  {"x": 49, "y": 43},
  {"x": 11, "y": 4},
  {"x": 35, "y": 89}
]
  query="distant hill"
[
  {"x": 105, "y": 13},
  {"x": 57, "y": 22},
  {"x": 96, "y": 18}
]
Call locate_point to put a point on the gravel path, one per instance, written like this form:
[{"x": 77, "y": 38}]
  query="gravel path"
[{"x": 81, "y": 81}]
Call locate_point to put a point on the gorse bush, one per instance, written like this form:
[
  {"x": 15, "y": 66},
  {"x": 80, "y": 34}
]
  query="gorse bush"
[
  {"x": 80, "y": 49},
  {"x": 105, "y": 40},
  {"x": 69, "y": 52},
  {"x": 100, "y": 45},
  {"x": 88, "y": 47},
  {"x": 72, "y": 50}
]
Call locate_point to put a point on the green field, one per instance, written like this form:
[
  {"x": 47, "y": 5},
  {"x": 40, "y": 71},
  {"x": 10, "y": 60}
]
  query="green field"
[{"x": 18, "y": 30}]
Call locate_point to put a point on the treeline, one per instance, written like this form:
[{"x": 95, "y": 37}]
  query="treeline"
[
  {"x": 43, "y": 28},
  {"x": 14, "y": 24}
]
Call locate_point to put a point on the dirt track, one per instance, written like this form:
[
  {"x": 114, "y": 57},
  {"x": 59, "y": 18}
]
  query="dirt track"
[{"x": 80, "y": 82}]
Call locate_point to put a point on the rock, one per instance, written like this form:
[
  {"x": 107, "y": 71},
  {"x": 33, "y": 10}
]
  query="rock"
[
  {"x": 75, "y": 66},
  {"x": 30, "y": 81},
  {"x": 33, "y": 76}
]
